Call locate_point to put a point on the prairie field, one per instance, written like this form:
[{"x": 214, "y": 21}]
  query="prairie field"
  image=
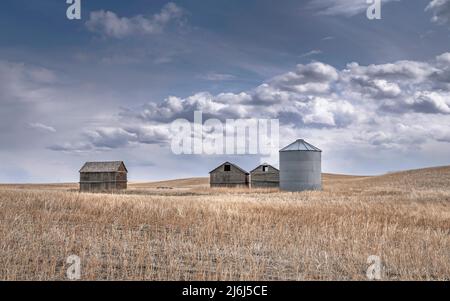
[{"x": 183, "y": 230}]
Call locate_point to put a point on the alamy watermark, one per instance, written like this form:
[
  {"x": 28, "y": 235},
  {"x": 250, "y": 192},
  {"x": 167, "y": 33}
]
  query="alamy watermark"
[
  {"x": 374, "y": 10},
  {"x": 73, "y": 272},
  {"x": 234, "y": 137},
  {"x": 374, "y": 271},
  {"x": 74, "y": 10}
]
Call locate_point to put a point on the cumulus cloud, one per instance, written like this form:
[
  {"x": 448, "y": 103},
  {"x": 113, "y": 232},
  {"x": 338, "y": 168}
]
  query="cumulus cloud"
[
  {"x": 440, "y": 10},
  {"x": 173, "y": 108},
  {"x": 111, "y": 25},
  {"x": 328, "y": 112},
  {"x": 399, "y": 71},
  {"x": 444, "y": 58},
  {"x": 430, "y": 102},
  {"x": 311, "y": 78},
  {"x": 382, "y": 101},
  {"x": 374, "y": 88},
  {"x": 292, "y": 94},
  {"x": 400, "y": 87},
  {"x": 110, "y": 137}
]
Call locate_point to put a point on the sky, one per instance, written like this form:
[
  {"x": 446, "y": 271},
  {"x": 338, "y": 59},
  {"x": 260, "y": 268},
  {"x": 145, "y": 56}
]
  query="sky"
[{"x": 374, "y": 95}]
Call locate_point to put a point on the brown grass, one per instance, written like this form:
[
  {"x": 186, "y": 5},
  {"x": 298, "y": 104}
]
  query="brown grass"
[{"x": 192, "y": 232}]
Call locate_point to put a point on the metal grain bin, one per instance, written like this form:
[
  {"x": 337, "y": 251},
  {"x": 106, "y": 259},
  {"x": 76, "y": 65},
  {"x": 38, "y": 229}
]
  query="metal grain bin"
[{"x": 300, "y": 167}]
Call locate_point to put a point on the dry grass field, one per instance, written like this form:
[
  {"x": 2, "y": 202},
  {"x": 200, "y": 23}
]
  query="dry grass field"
[{"x": 182, "y": 230}]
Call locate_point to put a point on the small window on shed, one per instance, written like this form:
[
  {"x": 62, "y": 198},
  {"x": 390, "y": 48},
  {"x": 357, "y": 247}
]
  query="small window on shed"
[
  {"x": 227, "y": 167},
  {"x": 265, "y": 168}
]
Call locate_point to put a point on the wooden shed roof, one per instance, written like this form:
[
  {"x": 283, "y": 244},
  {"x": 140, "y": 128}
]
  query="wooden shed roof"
[
  {"x": 237, "y": 167},
  {"x": 112, "y": 166},
  {"x": 264, "y": 164}
]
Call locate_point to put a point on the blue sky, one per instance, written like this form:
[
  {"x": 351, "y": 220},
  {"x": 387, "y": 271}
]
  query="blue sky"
[{"x": 373, "y": 94}]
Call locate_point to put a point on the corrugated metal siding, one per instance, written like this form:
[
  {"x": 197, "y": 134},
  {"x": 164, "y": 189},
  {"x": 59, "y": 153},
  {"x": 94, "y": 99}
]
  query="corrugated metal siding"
[{"x": 300, "y": 170}]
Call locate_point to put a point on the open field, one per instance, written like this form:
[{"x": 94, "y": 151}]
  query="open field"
[{"x": 182, "y": 230}]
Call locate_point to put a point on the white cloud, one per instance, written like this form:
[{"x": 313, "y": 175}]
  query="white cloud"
[
  {"x": 440, "y": 10},
  {"x": 311, "y": 78},
  {"x": 378, "y": 105},
  {"x": 109, "y": 24},
  {"x": 329, "y": 112},
  {"x": 346, "y": 8},
  {"x": 311, "y": 53},
  {"x": 43, "y": 127},
  {"x": 444, "y": 58},
  {"x": 400, "y": 71},
  {"x": 110, "y": 137},
  {"x": 386, "y": 89},
  {"x": 373, "y": 88},
  {"x": 430, "y": 102}
]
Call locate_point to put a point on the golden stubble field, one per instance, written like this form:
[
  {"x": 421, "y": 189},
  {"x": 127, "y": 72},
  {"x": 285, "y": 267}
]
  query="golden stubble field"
[{"x": 191, "y": 232}]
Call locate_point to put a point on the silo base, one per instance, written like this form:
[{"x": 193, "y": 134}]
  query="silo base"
[{"x": 296, "y": 187}]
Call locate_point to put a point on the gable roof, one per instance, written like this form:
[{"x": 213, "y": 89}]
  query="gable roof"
[
  {"x": 264, "y": 164},
  {"x": 102, "y": 166},
  {"x": 300, "y": 145},
  {"x": 234, "y": 165}
]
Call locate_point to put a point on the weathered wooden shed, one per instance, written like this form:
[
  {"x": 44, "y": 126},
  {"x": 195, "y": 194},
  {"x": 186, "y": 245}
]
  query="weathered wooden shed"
[
  {"x": 228, "y": 175},
  {"x": 103, "y": 176},
  {"x": 265, "y": 176}
]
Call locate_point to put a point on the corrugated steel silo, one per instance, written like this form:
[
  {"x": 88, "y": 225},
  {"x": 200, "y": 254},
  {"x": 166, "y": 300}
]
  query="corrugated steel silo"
[{"x": 300, "y": 167}]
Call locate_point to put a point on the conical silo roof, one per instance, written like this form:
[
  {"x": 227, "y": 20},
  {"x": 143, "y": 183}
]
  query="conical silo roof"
[{"x": 300, "y": 145}]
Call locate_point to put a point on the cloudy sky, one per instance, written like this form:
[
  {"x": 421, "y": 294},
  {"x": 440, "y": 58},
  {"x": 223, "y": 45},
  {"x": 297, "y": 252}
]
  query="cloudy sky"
[{"x": 373, "y": 95}]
